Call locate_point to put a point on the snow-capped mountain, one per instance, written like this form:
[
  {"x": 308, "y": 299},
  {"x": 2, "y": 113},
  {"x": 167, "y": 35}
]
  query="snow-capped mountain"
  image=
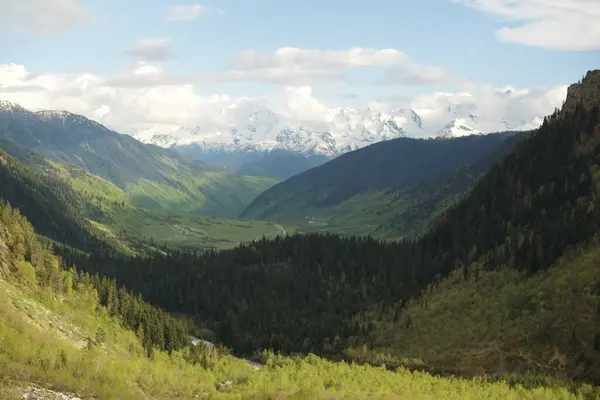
[
  {"x": 340, "y": 131},
  {"x": 254, "y": 128}
]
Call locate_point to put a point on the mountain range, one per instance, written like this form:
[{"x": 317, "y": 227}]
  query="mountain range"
[{"x": 342, "y": 129}]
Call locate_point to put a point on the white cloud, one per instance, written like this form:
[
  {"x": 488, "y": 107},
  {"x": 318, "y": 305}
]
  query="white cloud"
[
  {"x": 422, "y": 75},
  {"x": 186, "y": 12},
  {"x": 132, "y": 108},
  {"x": 298, "y": 103},
  {"x": 44, "y": 16},
  {"x": 554, "y": 24},
  {"x": 152, "y": 49},
  {"x": 290, "y": 57},
  {"x": 489, "y": 101},
  {"x": 290, "y": 67},
  {"x": 286, "y": 66},
  {"x": 294, "y": 66}
]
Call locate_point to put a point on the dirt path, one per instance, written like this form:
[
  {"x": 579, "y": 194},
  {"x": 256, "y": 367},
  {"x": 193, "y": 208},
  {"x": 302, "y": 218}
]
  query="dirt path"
[{"x": 282, "y": 229}]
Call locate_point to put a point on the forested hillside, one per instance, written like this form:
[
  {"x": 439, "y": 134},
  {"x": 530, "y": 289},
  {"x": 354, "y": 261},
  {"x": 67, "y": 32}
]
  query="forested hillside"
[
  {"x": 433, "y": 198},
  {"x": 361, "y": 191},
  {"x": 71, "y": 206},
  {"x": 310, "y": 293},
  {"x": 59, "y": 211},
  {"x": 153, "y": 177},
  {"x": 68, "y": 335}
]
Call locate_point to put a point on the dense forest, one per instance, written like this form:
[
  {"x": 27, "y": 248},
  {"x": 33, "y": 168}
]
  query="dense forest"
[{"x": 301, "y": 293}]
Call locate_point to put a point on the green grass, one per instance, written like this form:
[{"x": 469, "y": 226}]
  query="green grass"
[
  {"x": 359, "y": 215},
  {"x": 187, "y": 230},
  {"x": 126, "y": 219},
  {"x": 143, "y": 213},
  {"x": 46, "y": 357},
  {"x": 209, "y": 193},
  {"x": 96, "y": 188}
]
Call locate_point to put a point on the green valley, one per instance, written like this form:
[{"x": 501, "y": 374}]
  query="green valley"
[
  {"x": 187, "y": 230},
  {"x": 47, "y": 192},
  {"x": 511, "y": 267},
  {"x": 63, "y": 335},
  {"x": 114, "y": 253}
]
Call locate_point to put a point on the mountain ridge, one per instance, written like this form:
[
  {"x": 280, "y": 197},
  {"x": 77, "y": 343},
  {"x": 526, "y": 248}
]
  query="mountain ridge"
[
  {"x": 342, "y": 130},
  {"x": 155, "y": 178},
  {"x": 374, "y": 184}
]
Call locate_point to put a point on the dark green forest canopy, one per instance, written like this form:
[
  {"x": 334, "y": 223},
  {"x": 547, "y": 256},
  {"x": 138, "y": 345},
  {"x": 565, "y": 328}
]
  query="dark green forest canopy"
[{"x": 301, "y": 293}]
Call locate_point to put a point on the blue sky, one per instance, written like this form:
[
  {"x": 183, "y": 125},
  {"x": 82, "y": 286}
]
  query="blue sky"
[{"x": 526, "y": 44}]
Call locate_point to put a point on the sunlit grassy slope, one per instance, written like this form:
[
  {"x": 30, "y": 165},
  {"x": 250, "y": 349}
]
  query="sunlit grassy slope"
[
  {"x": 125, "y": 218},
  {"x": 187, "y": 230},
  {"x": 116, "y": 215},
  {"x": 478, "y": 320},
  {"x": 44, "y": 344}
]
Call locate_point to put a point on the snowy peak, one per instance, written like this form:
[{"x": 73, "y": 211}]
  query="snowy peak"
[
  {"x": 457, "y": 128},
  {"x": 8, "y": 107},
  {"x": 252, "y": 127},
  {"x": 339, "y": 131},
  {"x": 53, "y": 114},
  {"x": 416, "y": 119},
  {"x": 61, "y": 117},
  {"x": 344, "y": 129}
]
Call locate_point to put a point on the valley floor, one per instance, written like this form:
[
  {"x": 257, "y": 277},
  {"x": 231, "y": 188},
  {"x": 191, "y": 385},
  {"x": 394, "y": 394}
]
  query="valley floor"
[{"x": 187, "y": 230}]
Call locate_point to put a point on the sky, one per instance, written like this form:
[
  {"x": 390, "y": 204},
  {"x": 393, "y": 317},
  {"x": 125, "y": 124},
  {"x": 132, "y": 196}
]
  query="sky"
[{"x": 139, "y": 64}]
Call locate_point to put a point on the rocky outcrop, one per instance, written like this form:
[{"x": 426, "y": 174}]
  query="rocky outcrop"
[
  {"x": 34, "y": 393},
  {"x": 587, "y": 92}
]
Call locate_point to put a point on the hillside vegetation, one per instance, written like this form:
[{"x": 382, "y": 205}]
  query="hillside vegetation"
[
  {"x": 66, "y": 332},
  {"x": 72, "y": 206},
  {"x": 373, "y": 190},
  {"x": 486, "y": 321}
]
